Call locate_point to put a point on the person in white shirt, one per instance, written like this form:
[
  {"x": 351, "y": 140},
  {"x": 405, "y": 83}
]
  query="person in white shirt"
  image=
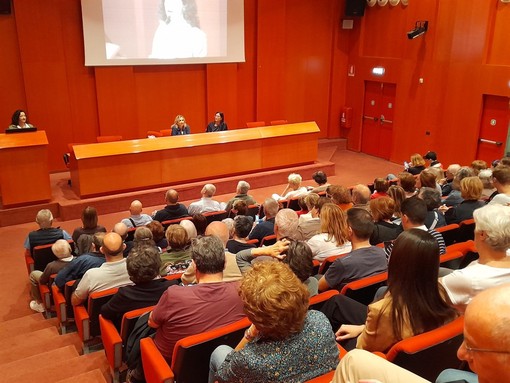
[
  {"x": 206, "y": 204},
  {"x": 137, "y": 218},
  {"x": 293, "y": 188}
]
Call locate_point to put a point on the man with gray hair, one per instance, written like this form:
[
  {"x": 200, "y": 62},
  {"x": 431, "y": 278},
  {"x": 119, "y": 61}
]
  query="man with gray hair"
[
  {"x": 286, "y": 224},
  {"x": 206, "y": 204},
  {"x": 46, "y": 234},
  {"x": 241, "y": 194},
  {"x": 188, "y": 310},
  {"x": 62, "y": 250},
  {"x": 361, "y": 196},
  {"x": 446, "y": 183},
  {"x": 266, "y": 227}
]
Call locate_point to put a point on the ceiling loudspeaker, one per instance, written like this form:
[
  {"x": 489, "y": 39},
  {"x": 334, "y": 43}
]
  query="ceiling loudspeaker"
[
  {"x": 5, "y": 7},
  {"x": 355, "y": 7}
]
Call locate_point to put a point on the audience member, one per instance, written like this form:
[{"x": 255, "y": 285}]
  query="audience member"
[
  {"x": 303, "y": 208},
  {"x": 414, "y": 302},
  {"x": 143, "y": 266},
  {"x": 340, "y": 195},
  {"x": 310, "y": 200},
  {"x": 84, "y": 244},
  {"x": 381, "y": 186},
  {"x": 173, "y": 208},
  {"x": 188, "y": 310},
  {"x": 478, "y": 165},
  {"x": 265, "y": 227},
  {"x": 206, "y": 204},
  {"x": 417, "y": 164},
  {"x": 446, "y": 183},
  {"x": 485, "y": 348},
  {"x": 414, "y": 213},
  {"x": 136, "y": 218},
  {"x": 190, "y": 228},
  {"x": 321, "y": 179},
  {"x": 492, "y": 240},
  {"x": 46, "y": 234},
  {"x": 231, "y": 272},
  {"x": 408, "y": 183},
  {"x": 455, "y": 197},
  {"x": 200, "y": 222},
  {"x": 286, "y": 224},
  {"x": 122, "y": 230},
  {"x": 504, "y": 161},
  {"x": 360, "y": 196},
  {"x": 382, "y": 210},
  {"x": 89, "y": 223},
  {"x": 363, "y": 261},
  {"x": 432, "y": 158},
  {"x": 62, "y": 250},
  {"x": 427, "y": 178},
  {"x": 112, "y": 273},
  {"x": 158, "y": 234},
  {"x": 239, "y": 208},
  {"x": 312, "y": 226},
  {"x": 285, "y": 340},
  {"x": 501, "y": 181},
  {"x": 293, "y": 188},
  {"x": 398, "y": 195},
  {"x": 334, "y": 236},
  {"x": 471, "y": 191},
  {"x": 242, "y": 190},
  {"x": 178, "y": 252},
  {"x": 485, "y": 176},
  {"x": 242, "y": 227},
  {"x": 143, "y": 236},
  {"x": 79, "y": 266},
  {"x": 230, "y": 226},
  {"x": 432, "y": 198}
]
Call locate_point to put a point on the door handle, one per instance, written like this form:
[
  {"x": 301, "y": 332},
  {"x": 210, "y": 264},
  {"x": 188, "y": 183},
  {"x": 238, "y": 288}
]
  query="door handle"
[
  {"x": 370, "y": 118},
  {"x": 497, "y": 143}
]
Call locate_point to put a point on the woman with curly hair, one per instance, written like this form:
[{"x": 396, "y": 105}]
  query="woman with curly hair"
[
  {"x": 286, "y": 342},
  {"x": 334, "y": 236}
]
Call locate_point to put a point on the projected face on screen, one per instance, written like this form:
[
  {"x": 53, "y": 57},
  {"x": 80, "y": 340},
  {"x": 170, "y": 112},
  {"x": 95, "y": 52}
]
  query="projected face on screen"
[{"x": 147, "y": 32}]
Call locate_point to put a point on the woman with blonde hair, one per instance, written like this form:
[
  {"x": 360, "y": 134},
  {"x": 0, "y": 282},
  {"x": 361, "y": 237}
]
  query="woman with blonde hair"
[
  {"x": 471, "y": 191},
  {"x": 286, "y": 342},
  {"x": 417, "y": 164},
  {"x": 180, "y": 127},
  {"x": 334, "y": 236},
  {"x": 293, "y": 188}
]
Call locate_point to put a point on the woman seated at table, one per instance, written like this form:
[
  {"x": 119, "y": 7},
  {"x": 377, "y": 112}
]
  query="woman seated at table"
[
  {"x": 414, "y": 303},
  {"x": 19, "y": 120},
  {"x": 180, "y": 127},
  {"x": 218, "y": 124},
  {"x": 286, "y": 342}
]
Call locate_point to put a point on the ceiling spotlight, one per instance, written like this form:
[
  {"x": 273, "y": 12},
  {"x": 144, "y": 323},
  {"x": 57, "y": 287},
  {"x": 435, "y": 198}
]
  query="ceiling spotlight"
[{"x": 419, "y": 29}]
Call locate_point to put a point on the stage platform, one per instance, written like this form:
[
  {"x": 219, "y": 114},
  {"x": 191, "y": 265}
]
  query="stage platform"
[{"x": 66, "y": 205}]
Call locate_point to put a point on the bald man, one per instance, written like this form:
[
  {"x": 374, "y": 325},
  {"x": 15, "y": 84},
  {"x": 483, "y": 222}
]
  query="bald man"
[
  {"x": 173, "y": 208},
  {"x": 112, "y": 273},
  {"x": 136, "y": 218},
  {"x": 231, "y": 271},
  {"x": 486, "y": 348},
  {"x": 206, "y": 204}
]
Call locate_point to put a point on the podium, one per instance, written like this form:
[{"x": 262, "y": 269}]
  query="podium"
[{"x": 24, "y": 173}]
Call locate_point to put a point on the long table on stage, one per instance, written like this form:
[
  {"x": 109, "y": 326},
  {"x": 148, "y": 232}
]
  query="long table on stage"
[
  {"x": 24, "y": 173},
  {"x": 112, "y": 167}
]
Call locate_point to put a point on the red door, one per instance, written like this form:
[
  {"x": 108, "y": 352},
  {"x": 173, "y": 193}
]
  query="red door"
[
  {"x": 377, "y": 130},
  {"x": 494, "y": 127}
]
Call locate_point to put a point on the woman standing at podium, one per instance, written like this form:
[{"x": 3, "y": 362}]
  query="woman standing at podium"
[
  {"x": 218, "y": 124},
  {"x": 180, "y": 127},
  {"x": 19, "y": 120}
]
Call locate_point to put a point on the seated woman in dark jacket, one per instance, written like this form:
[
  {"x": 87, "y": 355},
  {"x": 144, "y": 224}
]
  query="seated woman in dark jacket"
[
  {"x": 382, "y": 210},
  {"x": 471, "y": 189}
]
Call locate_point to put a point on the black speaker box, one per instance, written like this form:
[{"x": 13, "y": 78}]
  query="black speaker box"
[
  {"x": 354, "y": 7},
  {"x": 5, "y": 7}
]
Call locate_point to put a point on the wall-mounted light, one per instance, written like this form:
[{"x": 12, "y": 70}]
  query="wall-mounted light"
[
  {"x": 419, "y": 29},
  {"x": 378, "y": 71}
]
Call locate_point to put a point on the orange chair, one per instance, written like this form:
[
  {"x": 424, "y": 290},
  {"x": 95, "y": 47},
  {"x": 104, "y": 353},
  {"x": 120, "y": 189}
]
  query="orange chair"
[
  {"x": 166, "y": 132},
  {"x": 87, "y": 318},
  {"x": 363, "y": 290},
  {"x": 114, "y": 343},
  {"x": 329, "y": 261},
  {"x": 190, "y": 358},
  {"x": 61, "y": 309},
  {"x": 41, "y": 256},
  {"x": 155, "y": 133},
  {"x": 469, "y": 254},
  {"x": 174, "y": 221},
  {"x": 429, "y": 353},
  {"x": 253, "y": 210},
  {"x": 449, "y": 233},
  {"x": 215, "y": 216},
  {"x": 278, "y": 122},
  {"x": 109, "y": 138},
  {"x": 268, "y": 240},
  {"x": 46, "y": 297},
  {"x": 255, "y": 124},
  {"x": 294, "y": 204},
  {"x": 466, "y": 230}
]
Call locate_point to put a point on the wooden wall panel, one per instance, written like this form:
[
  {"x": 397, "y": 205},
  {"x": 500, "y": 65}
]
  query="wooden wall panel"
[{"x": 499, "y": 43}]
